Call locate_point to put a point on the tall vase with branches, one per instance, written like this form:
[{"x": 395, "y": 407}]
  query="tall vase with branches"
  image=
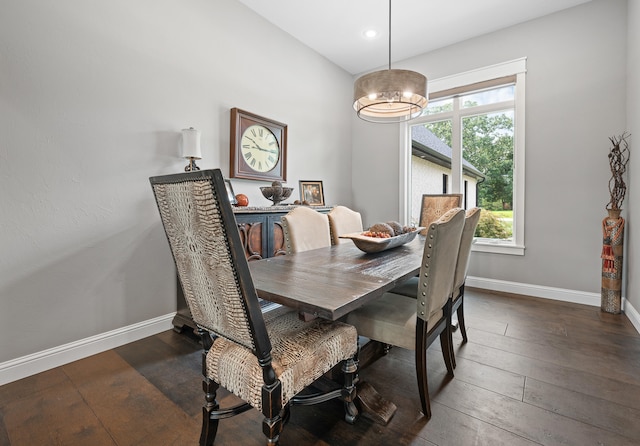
[{"x": 613, "y": 227}]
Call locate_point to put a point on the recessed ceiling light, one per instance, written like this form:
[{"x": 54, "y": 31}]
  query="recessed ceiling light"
[{"x": 370, "y": 34}]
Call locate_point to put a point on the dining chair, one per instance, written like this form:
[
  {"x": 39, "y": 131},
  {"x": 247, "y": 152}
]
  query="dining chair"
[
  {"x": 435, "y": 205},
  {"x": 409, "y": 287},
  {"x": 470, "y": 223},
  {"x": 305, "y": 228},
  {"x": 412, "y": 323},
  {"x": 264, "y": 359},
  {"x": 343, "y": 220}
]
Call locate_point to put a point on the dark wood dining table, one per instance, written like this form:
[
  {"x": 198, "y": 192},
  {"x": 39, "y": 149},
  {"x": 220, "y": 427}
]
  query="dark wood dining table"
[{"x": 330, "y": 282}]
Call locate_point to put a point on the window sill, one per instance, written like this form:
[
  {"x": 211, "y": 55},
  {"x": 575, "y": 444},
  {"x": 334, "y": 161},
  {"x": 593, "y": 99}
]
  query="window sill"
[{"x": 496, "y": 247}]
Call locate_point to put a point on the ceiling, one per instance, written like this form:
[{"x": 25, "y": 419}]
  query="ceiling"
[{"x": 334, "y": 28}]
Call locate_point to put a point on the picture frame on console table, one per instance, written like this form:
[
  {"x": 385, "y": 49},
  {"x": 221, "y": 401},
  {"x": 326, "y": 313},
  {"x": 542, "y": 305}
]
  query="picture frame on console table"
[{"x": 312, "y": 192}]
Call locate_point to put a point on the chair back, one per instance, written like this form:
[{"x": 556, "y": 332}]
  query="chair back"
[
  {"x": 304, "y": 229},
  {"x": 439, "y": 262},
  {"x": 434, "y": 206},
  {"x": 343, "y": 220},
  {"x": 470, "y": 222},
  {"x": 212, "y": 268}
]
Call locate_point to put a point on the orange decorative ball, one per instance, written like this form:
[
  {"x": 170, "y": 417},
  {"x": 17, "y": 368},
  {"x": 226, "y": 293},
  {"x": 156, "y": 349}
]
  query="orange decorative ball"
[{"x": 242, "y": 200}]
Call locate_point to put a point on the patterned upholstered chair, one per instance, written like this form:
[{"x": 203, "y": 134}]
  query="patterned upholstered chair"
[
  {"x": 265, "y": 359},
  {"x": 343, "y": 220},
  {"x": 413, "y": 323},
  {"x": 435, "y": 205},
  {"x": 409, "y": 288},
  {"x": 304, "y": 229}
]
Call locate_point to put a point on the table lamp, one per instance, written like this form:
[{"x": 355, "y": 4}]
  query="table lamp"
[{"x": 191, "y": 148}]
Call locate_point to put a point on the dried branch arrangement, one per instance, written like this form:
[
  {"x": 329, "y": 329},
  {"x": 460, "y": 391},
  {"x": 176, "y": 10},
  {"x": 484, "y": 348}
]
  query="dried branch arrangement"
[{"x": 618, "y": 159}]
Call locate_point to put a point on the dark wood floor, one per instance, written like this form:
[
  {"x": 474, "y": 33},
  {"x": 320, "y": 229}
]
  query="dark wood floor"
[{"x": 534, "y": 372}]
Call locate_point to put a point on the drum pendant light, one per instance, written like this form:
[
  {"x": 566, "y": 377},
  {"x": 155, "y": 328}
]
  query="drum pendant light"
[{"x": 390, "y": 96}]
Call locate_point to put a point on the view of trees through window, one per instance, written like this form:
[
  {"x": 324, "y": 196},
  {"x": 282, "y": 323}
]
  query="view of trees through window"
[{"x": 487, "y": 139}]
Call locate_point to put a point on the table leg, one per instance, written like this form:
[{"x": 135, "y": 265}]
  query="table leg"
[
  {"x": 370, "y": 403},
  {"x": 373, "y": 405}
]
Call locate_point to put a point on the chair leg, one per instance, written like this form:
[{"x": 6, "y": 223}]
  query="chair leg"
[
  {"x": 272, "y": 428},
  {"x": 272, "y": 409},
  {"x": 452, "y": 327},
  {"x": 350, "y": 370},
  {"x": 446, "y": 344},
  {"x": 460, "y": 314},
  {"x": 209, "y": 425},
  {"x": 421, "y": 366},
  {"x": 452, "y": 354}
]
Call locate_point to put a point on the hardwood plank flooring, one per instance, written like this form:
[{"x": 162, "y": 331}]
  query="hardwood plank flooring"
[{"x": 534, "y": 372}]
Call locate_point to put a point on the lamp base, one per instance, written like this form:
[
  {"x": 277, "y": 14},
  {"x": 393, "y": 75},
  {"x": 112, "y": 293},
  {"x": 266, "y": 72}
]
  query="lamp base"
[{"x": 191, "y": 166}]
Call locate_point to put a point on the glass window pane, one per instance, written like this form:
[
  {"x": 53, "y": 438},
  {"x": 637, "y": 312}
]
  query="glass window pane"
[
  {"x": 442, "y": 130},
  {"x": 487, "y": 142},
  {"x": 438, "y": 106},
  {"x": 506, "y": 93},
  {"x": 430, "y": 148}
]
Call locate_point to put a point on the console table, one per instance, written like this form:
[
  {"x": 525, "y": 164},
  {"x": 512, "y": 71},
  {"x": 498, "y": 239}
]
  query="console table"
[{"x": 262, "y": 237}]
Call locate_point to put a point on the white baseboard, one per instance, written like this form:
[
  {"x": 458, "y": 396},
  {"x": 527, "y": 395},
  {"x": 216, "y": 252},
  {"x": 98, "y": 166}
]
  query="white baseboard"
[
  {"x": 633, "y": 315},
  {"x": 24, "y": 366},
  {"x": 545, "y": 292}
]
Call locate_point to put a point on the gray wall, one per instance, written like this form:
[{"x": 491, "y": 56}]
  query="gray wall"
[
  {"x": 92, "y": 99},
  {"x": 576, "y": 99},
  {"x": 633, "y": 125}
]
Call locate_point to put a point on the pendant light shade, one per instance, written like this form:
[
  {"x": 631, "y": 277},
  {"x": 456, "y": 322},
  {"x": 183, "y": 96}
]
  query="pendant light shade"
[{"x": 389, "y": 96}]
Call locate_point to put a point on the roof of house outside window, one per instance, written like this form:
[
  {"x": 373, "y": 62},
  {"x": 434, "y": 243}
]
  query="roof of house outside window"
[{"x": 426, "y": 145}]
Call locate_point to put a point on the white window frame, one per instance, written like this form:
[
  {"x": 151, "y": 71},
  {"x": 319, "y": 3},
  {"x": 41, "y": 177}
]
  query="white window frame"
[{"x": 518, "y": 68}]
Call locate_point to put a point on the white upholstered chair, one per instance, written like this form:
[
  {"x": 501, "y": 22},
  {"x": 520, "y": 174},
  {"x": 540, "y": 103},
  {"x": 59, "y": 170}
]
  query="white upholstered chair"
[
  {"x": 409, "y": 287},
  {"x": 413, "y": 323},
  {"x": 305, "y": 228},
  {"x": 470, "y": 223},
  {"x": 343, "y": 220},
  {"x": 264, "y": 359}
]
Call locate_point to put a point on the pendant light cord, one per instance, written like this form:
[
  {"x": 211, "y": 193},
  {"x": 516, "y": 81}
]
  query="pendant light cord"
[{"x": 389, "y": 34}]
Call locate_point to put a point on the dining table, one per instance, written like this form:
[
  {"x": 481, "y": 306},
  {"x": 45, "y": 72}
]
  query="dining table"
[{"x": 332, "y": 281}]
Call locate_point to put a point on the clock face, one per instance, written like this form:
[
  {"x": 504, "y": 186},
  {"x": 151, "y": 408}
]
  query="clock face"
[{"x": 259, "y": 148}]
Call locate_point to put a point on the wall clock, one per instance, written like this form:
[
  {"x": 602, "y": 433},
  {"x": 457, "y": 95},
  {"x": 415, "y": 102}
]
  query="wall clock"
[{"x": 258, "y": 147}]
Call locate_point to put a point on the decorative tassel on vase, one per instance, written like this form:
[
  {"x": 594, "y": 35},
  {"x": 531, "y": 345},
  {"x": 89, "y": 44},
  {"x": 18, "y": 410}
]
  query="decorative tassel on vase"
[{"x": 607, "y": 256}]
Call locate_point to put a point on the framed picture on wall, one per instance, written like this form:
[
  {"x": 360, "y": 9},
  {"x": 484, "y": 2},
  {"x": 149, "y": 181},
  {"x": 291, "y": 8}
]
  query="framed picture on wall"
[
  {"x": 230, "y": 194},
  {"x": 312, "y": 193}
]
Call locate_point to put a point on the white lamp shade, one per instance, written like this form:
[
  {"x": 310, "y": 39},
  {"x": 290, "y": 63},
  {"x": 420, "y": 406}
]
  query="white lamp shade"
[{"x": 191, "y": 143}]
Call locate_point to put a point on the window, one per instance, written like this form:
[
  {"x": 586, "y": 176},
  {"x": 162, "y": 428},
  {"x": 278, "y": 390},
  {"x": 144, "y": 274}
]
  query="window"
[
  {"x": 472, "y": 134},
  {"x": 466, "y": 194}
]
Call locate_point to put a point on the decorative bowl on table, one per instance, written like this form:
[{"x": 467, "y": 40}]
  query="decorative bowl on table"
[
  {"x": 276, "y": 193},
  {"x": 376, "y": 244}
]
